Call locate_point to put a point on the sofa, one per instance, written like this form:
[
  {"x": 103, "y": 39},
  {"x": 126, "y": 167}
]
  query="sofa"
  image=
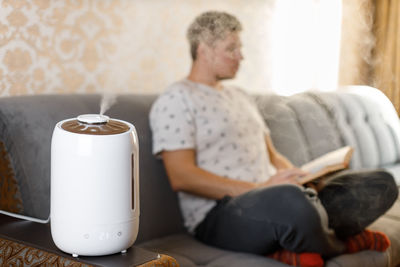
[{"x": 303, "y": 127}]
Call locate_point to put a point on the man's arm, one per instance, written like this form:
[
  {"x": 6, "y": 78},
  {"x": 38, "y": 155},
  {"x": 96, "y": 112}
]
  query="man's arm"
[
  {"x": 185, "y": 175},
  {"x": 277, "y": 159}
]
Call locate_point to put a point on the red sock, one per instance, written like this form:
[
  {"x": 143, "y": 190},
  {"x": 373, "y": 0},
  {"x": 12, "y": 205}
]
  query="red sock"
[
  {"x": 367, "y": 240},
  {"x": 298, "y": 259}
]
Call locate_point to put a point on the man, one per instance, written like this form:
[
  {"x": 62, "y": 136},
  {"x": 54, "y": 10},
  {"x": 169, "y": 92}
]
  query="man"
[{"x": 236, "y": 190}]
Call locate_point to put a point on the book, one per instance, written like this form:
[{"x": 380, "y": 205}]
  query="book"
[{"x": 332, "y": 161}]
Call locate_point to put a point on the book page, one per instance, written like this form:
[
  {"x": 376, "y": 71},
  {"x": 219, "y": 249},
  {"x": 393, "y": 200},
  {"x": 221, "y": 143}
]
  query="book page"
[
  {"x": 332, "y": 158},
  {"x": 330, "y": 162}
]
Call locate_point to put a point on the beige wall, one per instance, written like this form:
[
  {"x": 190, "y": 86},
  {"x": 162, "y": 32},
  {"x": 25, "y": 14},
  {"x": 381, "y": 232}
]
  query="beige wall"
[{"x": 62, "y": 46}]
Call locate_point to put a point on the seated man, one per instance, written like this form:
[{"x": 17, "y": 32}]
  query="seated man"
[{"x": 236, "y": 190}]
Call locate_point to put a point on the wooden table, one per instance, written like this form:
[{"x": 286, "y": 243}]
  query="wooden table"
[{"x": 26, "y": 243}]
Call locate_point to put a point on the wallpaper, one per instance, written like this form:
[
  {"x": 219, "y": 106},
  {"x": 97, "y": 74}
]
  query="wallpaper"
[
  {"x": 79, "y": 46},
  {"x": 86, "y": 46}
]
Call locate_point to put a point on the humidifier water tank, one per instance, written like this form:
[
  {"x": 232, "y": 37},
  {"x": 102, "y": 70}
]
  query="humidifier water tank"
[{"x": 94, "y": 185}]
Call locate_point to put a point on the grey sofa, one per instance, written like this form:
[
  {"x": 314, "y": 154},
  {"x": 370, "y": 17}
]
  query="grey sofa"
[{"x": 303, "y": 127}]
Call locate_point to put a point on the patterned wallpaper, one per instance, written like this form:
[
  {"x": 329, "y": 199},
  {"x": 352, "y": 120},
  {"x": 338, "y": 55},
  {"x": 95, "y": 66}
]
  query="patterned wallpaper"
[{"x": 63, "y": 46}]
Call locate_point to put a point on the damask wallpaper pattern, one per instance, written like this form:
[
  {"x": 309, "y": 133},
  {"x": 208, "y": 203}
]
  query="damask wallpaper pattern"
[
  {"x": 79, "y": 46},
  {"x": 56, "y": 46}
]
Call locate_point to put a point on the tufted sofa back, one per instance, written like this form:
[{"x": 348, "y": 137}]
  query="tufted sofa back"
[
  {"x": 307, "y": 125},
  {"x": 303, "y": 127}
]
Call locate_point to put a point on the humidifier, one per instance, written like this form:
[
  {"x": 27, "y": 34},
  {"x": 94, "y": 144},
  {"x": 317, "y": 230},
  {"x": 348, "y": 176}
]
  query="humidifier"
[{"x": 94, "y": 206}]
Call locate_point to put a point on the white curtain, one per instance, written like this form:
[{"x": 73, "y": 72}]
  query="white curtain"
[{"x": 305, "y": 45}]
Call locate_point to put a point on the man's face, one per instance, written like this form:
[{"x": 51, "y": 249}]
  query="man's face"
[{"x": 225, "y": 56}]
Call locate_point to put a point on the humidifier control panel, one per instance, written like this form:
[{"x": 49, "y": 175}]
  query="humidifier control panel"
[
  {"x": 108, "y": 238},
  {"x": 104, "y": 233}
]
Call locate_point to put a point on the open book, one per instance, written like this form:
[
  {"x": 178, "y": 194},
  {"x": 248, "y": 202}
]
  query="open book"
[{"x": 333, "y": 161}]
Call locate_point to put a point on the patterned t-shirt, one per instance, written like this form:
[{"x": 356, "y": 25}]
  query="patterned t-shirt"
[{"x": 225, "y": 129}]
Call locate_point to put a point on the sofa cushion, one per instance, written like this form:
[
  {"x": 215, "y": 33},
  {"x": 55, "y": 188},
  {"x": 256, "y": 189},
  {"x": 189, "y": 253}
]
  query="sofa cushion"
[
  {"x": 365, "y": 258},
  {"x": 362, "y": 121},
  {"x": 390, "y": 225},
  {"x": 332, "y": 104},
  {"x": 285, "y": 129},
  {"x": 320, "y": 131},
  {"x": 301, "y": 128},
  {"x": 375, "y": 143},
  {"x": 366, "y": 142},
  {"x": 243, "y": 259},
  {"x": 190, "y": 252}
]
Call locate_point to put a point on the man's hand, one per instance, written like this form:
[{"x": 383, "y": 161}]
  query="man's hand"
[
  {"x": 317, "y": 185},
  {"x": 287, "y": 176}
]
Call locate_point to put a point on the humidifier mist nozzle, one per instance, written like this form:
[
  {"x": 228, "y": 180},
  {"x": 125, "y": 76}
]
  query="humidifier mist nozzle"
[{"x": 93, "y": 118}]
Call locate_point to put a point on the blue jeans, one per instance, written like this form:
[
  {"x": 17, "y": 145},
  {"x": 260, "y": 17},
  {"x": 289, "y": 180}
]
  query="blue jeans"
[{"x": 297, "y": 219}]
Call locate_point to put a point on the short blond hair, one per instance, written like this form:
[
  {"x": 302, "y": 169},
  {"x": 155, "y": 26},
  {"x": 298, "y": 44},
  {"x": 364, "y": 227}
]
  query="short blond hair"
[{"x": 209, "y": 27}]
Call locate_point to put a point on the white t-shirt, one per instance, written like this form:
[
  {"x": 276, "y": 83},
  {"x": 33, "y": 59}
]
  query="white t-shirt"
[{"x": 225, "y": 129}]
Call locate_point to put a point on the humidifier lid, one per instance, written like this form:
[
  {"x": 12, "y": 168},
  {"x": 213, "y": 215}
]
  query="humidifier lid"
[{"x": 95, "y": 124}]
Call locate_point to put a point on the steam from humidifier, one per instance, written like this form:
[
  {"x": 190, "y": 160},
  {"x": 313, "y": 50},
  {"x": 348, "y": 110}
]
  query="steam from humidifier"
[
  {"x": 111, "y": 86},
  {"x": 107, "y": 100}
]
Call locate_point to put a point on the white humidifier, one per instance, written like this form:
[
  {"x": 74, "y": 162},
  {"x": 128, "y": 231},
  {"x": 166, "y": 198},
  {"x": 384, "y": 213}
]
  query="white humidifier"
[{"x": 94, "y": 185}]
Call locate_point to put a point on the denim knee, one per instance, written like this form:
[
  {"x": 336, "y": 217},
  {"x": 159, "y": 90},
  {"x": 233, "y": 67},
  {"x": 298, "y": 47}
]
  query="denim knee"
[
  {"x": 304, "y": 226},
  {"x": 354, "y": 199},
  {"x": 303, "y": 214}
]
